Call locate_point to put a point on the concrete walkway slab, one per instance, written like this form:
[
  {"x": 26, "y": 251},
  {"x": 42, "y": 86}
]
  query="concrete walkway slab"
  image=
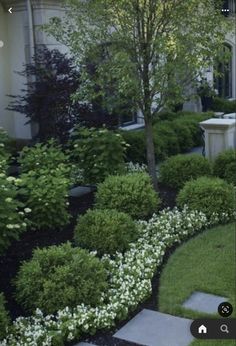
[
  {"x": 204, "y": 302},
  {"x": 154, "y": 328}
]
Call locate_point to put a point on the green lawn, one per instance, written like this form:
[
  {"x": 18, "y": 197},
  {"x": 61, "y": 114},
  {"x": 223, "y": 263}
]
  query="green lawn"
[{"x": 205, "y": 263}]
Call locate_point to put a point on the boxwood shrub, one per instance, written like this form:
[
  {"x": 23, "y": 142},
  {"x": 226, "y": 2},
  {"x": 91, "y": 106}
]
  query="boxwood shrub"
[
  {"x": 209, "y": 195},
  {"x": 224, "y": 165},
  {"x": 223, "y": 105},
  {"x": 230, "y": 173},
  {"x": 184, "y": 135},
  {"x": 165, "y": 140},
  {"x": 132, "y": 194},
  {"x": 4, "y": 317},
  {"x": 60, "y": 276},
  {"x": 105, "y": 231},
  {"x": 178, "y": 169}
]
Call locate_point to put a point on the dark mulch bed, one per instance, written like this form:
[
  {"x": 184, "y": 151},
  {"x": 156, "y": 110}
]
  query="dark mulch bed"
[{"x": 22, "y": 250}]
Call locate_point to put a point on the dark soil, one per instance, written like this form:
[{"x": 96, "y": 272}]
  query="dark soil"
[{"x": 22, "y": 250}]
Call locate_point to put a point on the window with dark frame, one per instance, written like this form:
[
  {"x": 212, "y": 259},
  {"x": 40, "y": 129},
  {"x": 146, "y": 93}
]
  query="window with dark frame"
[{"x": 223, "y": 77}]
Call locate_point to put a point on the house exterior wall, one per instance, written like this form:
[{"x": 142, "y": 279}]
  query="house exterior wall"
[{"x": 17, "y": 50}]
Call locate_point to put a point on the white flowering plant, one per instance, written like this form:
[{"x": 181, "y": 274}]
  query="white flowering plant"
[
  {"x": 135, "y": 167},
  {"x": 130, "y": 276},
  {"x": 46, "y": 156},
  {"x": 12, "y": 215},
  {"x": 45, "y": 192}
]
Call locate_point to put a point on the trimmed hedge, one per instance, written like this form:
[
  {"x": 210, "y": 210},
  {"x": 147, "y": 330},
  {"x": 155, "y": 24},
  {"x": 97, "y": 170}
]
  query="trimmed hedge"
[
  {"x": 165, "y": 140},
  {"x": 132, "y": 194},
  {"x": 209, "y": 195},
  {"x": 136, "y": 151},
  {"x": 223, "y": 105},
  {"x": 178, "y": 169},
  {"x": 178, "y": 133},
  {"x": 105, "y": 231},
  {"x": 60, "y": 276}
]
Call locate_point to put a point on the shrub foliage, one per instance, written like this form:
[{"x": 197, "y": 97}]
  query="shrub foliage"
[
  {"x": 225, "y": 165},
  {"x": 209, "y": 195},
  {"x": 60, "y": 276},
  {"x": 100, "y": 152},
  {"x": 178, "y": 169},
  {"x": 131, "y": 193},
  {"x": 105, "y": 231}
]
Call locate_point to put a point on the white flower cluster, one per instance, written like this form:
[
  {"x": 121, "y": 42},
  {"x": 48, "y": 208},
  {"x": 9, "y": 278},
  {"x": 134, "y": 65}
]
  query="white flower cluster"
[
  {"x": 129, "y": 284},
  {"x": 132, "y": 167}
]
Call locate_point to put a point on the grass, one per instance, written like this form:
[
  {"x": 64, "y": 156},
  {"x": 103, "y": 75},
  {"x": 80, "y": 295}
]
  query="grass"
[{"x": 205, "y": 263}]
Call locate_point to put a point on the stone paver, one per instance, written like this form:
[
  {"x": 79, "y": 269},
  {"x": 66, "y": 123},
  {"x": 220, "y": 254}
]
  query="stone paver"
[
  {"x": 79, "y": 191},
  {"x": 154, "y": 328},
  {"x": 204, "y": 302}
]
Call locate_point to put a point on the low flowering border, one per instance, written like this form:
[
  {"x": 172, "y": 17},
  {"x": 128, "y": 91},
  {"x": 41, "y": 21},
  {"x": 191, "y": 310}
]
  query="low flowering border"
[{"x": 130, "y": 282}]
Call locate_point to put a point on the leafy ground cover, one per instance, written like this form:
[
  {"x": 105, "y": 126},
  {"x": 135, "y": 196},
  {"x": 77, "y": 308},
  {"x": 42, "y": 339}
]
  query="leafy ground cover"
[{"x": 205, "y": 263}]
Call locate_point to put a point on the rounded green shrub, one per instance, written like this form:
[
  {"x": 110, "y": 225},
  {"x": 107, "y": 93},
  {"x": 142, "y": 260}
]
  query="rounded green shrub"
[
  {"x": 221, "y": 163},
  {"x": 209, "y": 195},
  {"x": 4, "y": 318},
  {"x": 230, "y": 173},
  {"x": 105, "y": 231},
  {"x": 60, "y": 276},
  {"x": 176, "y": 170},
  {"x": 132, "y": 194}
]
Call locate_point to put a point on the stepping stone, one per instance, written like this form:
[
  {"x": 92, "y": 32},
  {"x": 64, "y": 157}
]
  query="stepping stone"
[
  {"x": 204, "y": 302},
  {"x": 152, "y": 328},
  {"x": 79, "y": 191}
]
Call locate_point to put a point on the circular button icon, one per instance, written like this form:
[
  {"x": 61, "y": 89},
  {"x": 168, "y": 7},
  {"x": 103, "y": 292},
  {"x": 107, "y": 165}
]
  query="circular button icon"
[
  {"x": 1, "y": 44},
  {"x": 225, "y": 309}
]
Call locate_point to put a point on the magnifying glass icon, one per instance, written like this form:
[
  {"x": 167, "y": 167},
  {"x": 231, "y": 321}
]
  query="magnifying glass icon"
[{"x": 224, "y": 328}]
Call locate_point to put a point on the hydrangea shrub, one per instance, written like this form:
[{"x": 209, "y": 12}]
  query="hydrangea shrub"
[
  {"x": 45, "y": 192},
  {"x": 12, "y": 213},
  {"x": 99, "y": 152}
]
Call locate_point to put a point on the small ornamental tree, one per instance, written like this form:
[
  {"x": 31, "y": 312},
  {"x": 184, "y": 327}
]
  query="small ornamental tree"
[
  {"x": 52, "y": 79},
  {"x": 152, "y": 50}
]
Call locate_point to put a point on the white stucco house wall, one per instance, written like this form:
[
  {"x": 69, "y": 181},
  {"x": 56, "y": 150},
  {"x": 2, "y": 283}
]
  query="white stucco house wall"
[{"x": 19, "y": 35}]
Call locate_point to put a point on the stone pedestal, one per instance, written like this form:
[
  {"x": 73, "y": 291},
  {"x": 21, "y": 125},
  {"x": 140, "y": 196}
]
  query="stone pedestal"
[
  {"x": 220, "y": 135},
  {"x": 230, "y": 116}
]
